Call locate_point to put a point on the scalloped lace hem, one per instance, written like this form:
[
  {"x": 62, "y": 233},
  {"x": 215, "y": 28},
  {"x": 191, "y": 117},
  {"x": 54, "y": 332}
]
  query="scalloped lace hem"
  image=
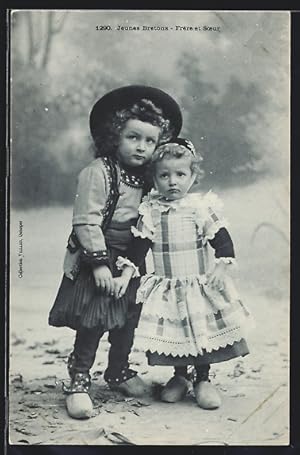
[{"x": 172, "y": 348}]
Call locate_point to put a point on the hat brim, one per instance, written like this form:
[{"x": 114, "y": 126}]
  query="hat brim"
[{"x": 123, "y": 97}]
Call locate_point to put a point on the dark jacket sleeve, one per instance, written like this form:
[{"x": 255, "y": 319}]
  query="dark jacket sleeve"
[
  {"x": 222, "y": 244},
  {"x": 138, "y": 250}
]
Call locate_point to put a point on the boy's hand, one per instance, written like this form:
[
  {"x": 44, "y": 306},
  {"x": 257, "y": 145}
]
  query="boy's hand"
[{"x": 104, "y": 279}]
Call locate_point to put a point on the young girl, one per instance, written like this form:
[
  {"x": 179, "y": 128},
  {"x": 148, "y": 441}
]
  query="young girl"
[
  {"x": 191, "y": 314},
  {"x": 126, "y": 124}
]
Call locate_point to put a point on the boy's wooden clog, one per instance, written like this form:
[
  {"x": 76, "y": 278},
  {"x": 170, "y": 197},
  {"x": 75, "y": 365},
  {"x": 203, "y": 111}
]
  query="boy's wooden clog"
[
  {"x": 79, "y": 405},
  {"x": 133, "y": 387}
]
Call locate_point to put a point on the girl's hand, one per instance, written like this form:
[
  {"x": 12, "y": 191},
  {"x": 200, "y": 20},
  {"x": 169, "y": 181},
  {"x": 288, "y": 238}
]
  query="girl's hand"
[
  {"x": 104, "y": 279},
  {"x": 121, "y": 282},
  {"x": 216, "y": 278}
]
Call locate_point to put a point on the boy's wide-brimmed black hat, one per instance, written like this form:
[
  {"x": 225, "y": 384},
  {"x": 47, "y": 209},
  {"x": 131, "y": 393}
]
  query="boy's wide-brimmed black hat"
[{"x": 123, "y": 97}]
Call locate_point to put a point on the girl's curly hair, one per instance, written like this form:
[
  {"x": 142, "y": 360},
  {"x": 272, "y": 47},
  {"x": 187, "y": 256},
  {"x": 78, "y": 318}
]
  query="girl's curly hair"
[
  {"x": 174, "y": 150},
  {"x": 108, "y": 137}
]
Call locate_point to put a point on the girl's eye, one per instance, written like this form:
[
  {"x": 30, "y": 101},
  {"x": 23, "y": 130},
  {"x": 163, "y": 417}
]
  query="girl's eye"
[
  {"x": 151, "y": 141},
  {"x": 164, "y": 175}
]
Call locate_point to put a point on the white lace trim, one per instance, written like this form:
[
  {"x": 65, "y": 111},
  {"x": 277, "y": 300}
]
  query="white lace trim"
[
  {"x": 190, "y": 347},
  {"x": 191, "y": 200},
  {"x": 122, "y": 263},
  {"x": 144, "y": 234},
  {"x": 213, "y": 229},
  {"x": 227, "y": 260}
]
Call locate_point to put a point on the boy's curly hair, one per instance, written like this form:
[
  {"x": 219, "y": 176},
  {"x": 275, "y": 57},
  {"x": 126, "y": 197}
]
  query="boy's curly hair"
[
  {"x": 107, "y": 140},
  {"x": 174, "y": 150}
]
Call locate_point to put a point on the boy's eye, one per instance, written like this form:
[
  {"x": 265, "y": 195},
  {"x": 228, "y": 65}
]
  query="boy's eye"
[{"x": 180, "y": 174}]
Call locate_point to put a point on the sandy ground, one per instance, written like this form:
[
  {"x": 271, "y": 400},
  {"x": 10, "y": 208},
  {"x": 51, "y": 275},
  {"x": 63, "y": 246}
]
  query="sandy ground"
[{"x": 254, "y": 390}]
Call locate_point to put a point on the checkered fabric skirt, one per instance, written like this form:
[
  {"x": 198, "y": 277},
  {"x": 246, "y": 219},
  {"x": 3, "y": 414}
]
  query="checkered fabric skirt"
[{"x": 181, "y": 314}]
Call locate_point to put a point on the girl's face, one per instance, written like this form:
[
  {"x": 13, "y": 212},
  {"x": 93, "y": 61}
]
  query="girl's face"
[
  {"x": 137, "y": 142},
  {"x": 174, "y": 177}
]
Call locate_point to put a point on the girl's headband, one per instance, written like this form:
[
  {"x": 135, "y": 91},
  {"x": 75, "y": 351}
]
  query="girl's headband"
[{"x": 184, "y": 142}]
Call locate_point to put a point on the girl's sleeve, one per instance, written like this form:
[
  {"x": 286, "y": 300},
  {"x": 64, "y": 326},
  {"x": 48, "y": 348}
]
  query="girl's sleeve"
[
  {"x": 213, "y": 227},
  {"x": 144, "y": 228},
  {"x": 135, "y": 255},
  {"x": 223, "y": 245},
  {"x": 142, "y": 241},
  {"x": 90, "y": 201}
]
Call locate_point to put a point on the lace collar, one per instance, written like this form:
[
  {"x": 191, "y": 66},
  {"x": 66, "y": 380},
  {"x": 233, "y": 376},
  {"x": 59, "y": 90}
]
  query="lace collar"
[{"x": 163, "y": 205}]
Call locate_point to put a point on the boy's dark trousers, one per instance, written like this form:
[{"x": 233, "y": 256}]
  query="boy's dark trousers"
[{"x": 86, "y": 345}]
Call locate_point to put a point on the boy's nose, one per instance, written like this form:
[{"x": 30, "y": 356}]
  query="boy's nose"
[
  {"x": 172, "y": 181},
  {"x": 141, "y": 145}
]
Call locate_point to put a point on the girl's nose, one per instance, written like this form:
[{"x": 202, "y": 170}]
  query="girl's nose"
[{"x": 172, "y": 181}]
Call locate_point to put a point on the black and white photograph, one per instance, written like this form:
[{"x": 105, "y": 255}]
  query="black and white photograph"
[{"x": 149, "y": 217}]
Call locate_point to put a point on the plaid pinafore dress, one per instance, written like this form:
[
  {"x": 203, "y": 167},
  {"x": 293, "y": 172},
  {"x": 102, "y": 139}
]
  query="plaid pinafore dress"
[{"x": 182, "y": 315}]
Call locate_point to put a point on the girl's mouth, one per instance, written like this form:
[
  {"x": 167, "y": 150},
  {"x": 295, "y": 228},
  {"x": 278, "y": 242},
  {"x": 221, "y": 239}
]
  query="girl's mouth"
[{"x": 138, "y": 157}]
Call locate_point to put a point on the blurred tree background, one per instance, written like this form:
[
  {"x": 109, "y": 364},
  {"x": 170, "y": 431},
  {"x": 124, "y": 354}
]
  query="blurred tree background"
[{"x": 232, "y": 86}]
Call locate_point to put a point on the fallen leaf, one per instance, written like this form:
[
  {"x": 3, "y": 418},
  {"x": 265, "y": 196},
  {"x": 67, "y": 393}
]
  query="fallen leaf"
[
  {"x": 23, "y": 431},
  {"x": 19, "y": 386},
  {"x": 18, "y": 341},
  {"x": 48, "y": 362},
  {"x": 50, "y": 386},
  {"x": 52, "y": 351},
  {"x": 50, "y": 343},
  {"x": 257, "y": 369},
  {"x": 17, "y": 378},
  {"x": 119, "y": 438},
  {"x": 140, "y": 403},
  {"x": 238, "y": 370},
  {"x": 35, "y": 345},
  {"x": 253, "y": 377}
]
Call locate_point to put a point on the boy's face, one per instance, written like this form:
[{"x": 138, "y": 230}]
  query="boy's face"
[
  {"x": 174, "y": 177},
  {"x": 137, "y": 142}
]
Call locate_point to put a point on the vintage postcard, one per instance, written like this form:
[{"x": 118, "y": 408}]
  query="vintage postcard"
[{"x": 208, "y": 363}]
